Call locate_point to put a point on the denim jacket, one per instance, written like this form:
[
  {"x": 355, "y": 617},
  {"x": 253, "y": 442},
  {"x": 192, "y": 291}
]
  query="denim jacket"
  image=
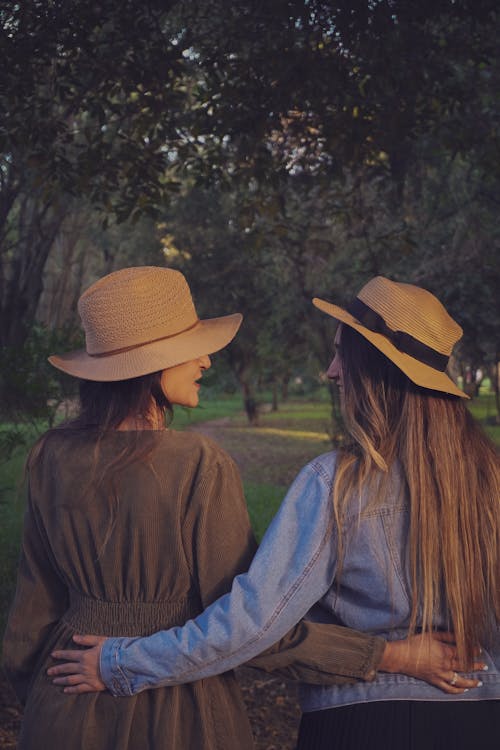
[{"x": 293, "y": 570}]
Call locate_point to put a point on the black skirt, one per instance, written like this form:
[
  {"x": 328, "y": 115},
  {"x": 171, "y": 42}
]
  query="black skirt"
[{"x": 403, "y": 725}]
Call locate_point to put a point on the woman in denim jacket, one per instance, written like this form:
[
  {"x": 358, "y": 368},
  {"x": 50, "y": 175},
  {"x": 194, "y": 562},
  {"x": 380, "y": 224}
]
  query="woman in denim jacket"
[{"x": 397, "y": 533}]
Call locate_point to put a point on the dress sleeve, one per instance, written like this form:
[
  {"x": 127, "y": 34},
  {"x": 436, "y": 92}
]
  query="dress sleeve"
[
  {"x": 292, "y": 569},
  {"x": 323, "y": 654},
  {"x": 39, "y": 602}
]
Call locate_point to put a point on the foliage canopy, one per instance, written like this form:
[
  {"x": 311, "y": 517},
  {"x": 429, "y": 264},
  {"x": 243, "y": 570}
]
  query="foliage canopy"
[{"x": 302, "y": 143}]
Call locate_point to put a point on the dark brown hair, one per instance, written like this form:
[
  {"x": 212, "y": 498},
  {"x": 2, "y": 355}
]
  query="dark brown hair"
[
  {"x": 103, "y": 407},
  {"x": 106, "y": 404}
]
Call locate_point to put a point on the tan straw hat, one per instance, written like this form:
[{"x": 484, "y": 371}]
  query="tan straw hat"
[
  {"x": 138, "y": 321},
  {"x": 407, "y": 324}
]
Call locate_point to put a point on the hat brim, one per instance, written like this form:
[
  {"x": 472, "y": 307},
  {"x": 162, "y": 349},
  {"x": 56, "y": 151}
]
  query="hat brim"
[
  {"x": 206, "y": 337},
  {"x": 418, "y": 372}
]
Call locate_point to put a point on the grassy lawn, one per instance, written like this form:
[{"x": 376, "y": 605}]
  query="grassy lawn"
[
  {"x": 263, "y": 501},
  {"x": 217, "y": 408},
  {"x": 483, "y": 409},
  {"x": 269, "y": 457},
  {"x": 11, "y": 515}
]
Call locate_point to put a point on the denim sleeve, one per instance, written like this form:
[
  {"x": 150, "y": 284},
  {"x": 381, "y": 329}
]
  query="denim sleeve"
[{"x": 292, "y": 569}]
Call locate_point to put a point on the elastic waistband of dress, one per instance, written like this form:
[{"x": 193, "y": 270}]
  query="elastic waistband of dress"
[{"x": 101, "y": 617}]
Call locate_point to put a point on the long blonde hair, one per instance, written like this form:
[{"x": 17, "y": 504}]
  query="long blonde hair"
[{"x": 451, "y": 471}]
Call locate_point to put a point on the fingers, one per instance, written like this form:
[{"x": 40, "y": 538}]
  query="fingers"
[
  {"x": 66, "y": 655},
  {"x": 84, "y": 683},
  {"x": 446, "y": 687},
  {"x": 82, "y": 688},
  {"x": 89, "y": 640},
  {"x": 443, "y": 636},
  {"x": 478, "y": 666},
  {"x": 80, "y": 671},
  {"x": 451, "y": 654},
  {"x": 71, "y": 679},
  {"x": 73, "y": 685},
  {"x": 66, "y": 668},
  {"x": 455, "y": 684}
]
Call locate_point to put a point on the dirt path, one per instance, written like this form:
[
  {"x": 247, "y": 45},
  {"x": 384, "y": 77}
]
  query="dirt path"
[
  {"x": 10, "y": 716},
  {"x": 270, "y": 453},
  {"x": 271, "y": 702}
]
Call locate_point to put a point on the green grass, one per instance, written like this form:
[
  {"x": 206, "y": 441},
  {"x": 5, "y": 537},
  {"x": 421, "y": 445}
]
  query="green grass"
[
  {"x": 11, "y": 518},
  {"x": 484, "y": 410},
  {"x": 216, "y": 408},
  {"x": 263, "y": 501}
]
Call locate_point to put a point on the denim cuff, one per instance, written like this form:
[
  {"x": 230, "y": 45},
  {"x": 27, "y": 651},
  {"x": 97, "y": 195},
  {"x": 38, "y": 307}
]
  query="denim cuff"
[{"x": 112, "y": 674}]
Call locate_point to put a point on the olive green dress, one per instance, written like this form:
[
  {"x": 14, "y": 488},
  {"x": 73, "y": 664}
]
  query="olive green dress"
[{"x": 130, "y": 554}]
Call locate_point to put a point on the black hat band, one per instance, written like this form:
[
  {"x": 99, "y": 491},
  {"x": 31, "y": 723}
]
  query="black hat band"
[{"x": 403, "y": 341}]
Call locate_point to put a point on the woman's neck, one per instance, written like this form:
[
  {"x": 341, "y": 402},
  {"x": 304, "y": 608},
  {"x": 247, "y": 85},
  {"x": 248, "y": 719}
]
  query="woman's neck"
[{"x": 154, "y": 420}]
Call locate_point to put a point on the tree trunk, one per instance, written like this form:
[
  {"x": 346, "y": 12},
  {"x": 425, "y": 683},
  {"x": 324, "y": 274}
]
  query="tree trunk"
[
  {"x": 249, "y": 401},
  {"x": 64, "y": 273},
  {"x": 284, "y": 388},
  {"x": 23, "y": 265},
  {"x": 496, "y": 386},
  {"x": 274, "y": 406}
]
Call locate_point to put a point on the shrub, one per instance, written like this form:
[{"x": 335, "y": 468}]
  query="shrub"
[{"x": 31, "y": 390}]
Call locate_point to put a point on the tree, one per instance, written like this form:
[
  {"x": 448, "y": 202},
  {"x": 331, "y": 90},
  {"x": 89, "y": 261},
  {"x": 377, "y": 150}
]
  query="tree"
[
  {"x": 312, "y": 141},
  {"x": 85, "y": 94},
  {"x": 266, "y": 251},
  {"x": 297, "y": 84},
  {"x": 83, "y": 252}
]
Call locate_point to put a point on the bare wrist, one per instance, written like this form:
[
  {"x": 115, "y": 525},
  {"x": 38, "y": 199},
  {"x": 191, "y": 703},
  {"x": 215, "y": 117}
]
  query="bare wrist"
[{"x": 392, "y": 657}]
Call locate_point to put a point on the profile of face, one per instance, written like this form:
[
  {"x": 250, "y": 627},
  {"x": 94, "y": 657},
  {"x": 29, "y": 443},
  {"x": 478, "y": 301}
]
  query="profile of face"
[
  {"x": 179, "y": 383},
  {"x": 334, "y": 371}
]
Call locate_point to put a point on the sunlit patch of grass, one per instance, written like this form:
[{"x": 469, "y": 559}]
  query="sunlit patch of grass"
[
  {"x": 290, "y": 433},
  {"x": 269, "y": 455},
  {"x": 300, "y": 410},
  {"x": 231, "y": 406}
]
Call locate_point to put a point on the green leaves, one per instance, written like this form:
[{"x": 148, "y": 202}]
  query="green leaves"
[{"x": 305, "y": 140}]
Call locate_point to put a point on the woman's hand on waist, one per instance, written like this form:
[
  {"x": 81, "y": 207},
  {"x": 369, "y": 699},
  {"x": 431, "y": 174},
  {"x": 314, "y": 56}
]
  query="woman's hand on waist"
[
  {"x": 80, "y": 671},
  {"x": 431, "y": 657}
]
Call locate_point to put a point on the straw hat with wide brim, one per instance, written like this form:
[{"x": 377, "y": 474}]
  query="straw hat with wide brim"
[
  {"x": 406, "y": 323},
  {"x": 138, "y": 321}
]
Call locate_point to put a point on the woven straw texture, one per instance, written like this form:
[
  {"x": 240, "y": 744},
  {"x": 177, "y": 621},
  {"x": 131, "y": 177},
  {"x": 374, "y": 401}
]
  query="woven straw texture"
[
  {"x": 135, "y": 306},
  {"x": 409, "y": 308}
]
